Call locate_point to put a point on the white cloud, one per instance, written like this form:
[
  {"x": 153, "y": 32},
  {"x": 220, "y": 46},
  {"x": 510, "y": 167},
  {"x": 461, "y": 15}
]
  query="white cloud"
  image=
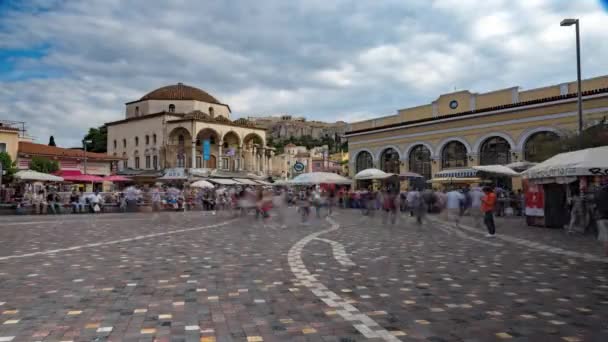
[{"x": 323, "y": 59}]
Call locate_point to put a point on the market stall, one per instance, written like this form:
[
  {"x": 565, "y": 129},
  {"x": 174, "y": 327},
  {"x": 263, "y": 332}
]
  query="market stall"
[
  {"x": 549, "y": 185},
  {"x": 375, "y": 178}
]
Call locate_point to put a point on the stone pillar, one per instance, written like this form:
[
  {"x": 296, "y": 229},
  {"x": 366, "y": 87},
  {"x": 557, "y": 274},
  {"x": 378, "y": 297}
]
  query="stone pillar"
[
  {"x": 218, "y": 162},
  {"x": 240, "y": 158},
  {"x": 193, "y": 165},
  {"x": 270, "y": 163},
  {"x": 254, "y": 161}
]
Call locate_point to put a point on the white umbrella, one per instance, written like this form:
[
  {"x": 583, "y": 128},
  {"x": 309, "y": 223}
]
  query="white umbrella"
[
  {"x": 497, "y": 169},
  {"x": 587, "y": 162},
  {"x": 372, "y": 174},
  {"x": 203, "y": 184},
  {"x": 37, "y": 176},
  {"x": 312, "y": 178}
]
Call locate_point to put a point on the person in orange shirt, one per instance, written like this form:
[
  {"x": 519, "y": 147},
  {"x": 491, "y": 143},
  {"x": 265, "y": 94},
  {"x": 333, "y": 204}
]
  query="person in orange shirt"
[{"x": 488, "y": 202}]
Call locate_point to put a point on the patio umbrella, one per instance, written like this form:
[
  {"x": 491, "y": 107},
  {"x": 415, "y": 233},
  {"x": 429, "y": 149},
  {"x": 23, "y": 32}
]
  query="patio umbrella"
[
  {"x": 313, "y": 178},
  {"x": 37, "y": 176},
  {"x": 368, "y": 174},
  {"x": 497, "y": 169},
  {"x": 203, "y": 184}
]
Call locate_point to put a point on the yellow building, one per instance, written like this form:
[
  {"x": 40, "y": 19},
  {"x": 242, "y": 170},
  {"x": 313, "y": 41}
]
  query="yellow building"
[
  {"x": 11, "y": 133},
  {"x": 462, "y": 129}
]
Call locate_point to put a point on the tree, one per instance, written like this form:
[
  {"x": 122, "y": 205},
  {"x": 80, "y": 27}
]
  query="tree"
[
  {"x": 8, "y": 165},
  {"x": 52, "y": 141},
  {"x": 594, "y": 136},
  {"x": 44, "y": 165},
  {"x": 99, "y": 138}
]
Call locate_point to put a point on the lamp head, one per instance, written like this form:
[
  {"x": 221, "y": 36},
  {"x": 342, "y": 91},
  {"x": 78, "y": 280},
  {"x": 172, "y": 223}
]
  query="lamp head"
[{"x": 568, "y": 22}]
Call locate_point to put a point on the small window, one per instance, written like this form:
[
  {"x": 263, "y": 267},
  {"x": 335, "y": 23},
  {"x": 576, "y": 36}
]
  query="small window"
[
  {"x": 211, "y": 113},
  {"x": 2, "y": 147},
  {"x": 147, "y": 162},
  {"x": 172, "y": 108},
  {"x": 137, "y": 162},
  {"x": 155, "y": 162},
  {"x": 147, "y": 140},
  {"x": 136, "y": 111},
  {"x": 136, "y": 141},
  {"x": 125, "y": 163},
  {"x": 124, "y": 143},
  {"x": 154, "y": 139},
  {"x": 115, "y": 144}
]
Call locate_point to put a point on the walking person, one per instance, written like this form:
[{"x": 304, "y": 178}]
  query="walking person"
[
  {"x": 576, "y": 213},
  {"x": 488, "y": 204},
  {"x": 601, "y": 202},
  {"x": 454, "y": 200},
  {"x": 476, "y": 213}
]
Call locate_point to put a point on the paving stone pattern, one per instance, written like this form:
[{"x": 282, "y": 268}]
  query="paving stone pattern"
[{"x": 194, "y": 277}]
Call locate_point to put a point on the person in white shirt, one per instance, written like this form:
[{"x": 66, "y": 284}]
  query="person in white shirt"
[
  {"x": 411, "y": 200},
  {"x": 476, "y": 213},
  {"x": 454, "y": 198},
  {"x": 96, "y": 200}
]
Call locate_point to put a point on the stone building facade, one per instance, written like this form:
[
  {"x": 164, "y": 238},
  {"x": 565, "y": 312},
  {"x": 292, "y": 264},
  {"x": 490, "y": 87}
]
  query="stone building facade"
[
  {"x": 168, "y": 127},
  {"x": 462, "y": 129},
  {"x": 283, "y": 127}
]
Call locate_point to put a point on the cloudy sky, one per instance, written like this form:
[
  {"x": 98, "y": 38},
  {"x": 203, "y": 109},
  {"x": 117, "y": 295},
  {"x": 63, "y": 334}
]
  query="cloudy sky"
[{"x": 69, "y": 65}]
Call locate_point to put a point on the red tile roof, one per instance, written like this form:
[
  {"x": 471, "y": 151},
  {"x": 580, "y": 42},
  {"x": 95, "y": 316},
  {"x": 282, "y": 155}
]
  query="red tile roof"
[{"x": 52, "y": 151}]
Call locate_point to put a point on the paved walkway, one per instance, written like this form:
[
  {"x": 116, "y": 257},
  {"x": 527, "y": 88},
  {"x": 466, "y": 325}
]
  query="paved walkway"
[{"x": 189, "y": 277}]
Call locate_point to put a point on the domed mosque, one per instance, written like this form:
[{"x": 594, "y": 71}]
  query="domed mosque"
[{"x": 183, "y": 127}]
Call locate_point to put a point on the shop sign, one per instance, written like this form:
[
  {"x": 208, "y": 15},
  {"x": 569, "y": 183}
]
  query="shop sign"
[
  {"x": 206, "y": 149},
  {"x": 535, "y": 201},
  {"x": 298, "y": 167}
]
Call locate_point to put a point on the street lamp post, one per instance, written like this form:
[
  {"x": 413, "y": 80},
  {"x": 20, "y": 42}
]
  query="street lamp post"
[
  {"x": 575, "y": 22},
  {"x": 85, "y": 142}
]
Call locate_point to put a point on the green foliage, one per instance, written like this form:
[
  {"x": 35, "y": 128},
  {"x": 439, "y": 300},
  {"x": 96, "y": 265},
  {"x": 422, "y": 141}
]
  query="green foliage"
[
  {"x": 44, "y": 165},
  {"x": 8, "y": 165},
  {"x": 52, "y": 141},
  {"x": 594, "y": 136},
  {"x": 309, "y": 142},
  {"x": 99, "y": 138}
]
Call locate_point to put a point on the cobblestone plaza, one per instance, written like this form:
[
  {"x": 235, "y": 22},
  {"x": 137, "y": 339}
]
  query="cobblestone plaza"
[{"x": 195, "y": 277}]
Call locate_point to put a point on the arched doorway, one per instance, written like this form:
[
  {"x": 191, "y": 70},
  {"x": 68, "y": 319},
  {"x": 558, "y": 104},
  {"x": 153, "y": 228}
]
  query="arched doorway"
[
  {"x": 363, "y": 161},
  {"x": 179, "y": 148},
  {"x": 495, "y": 150},
  {"x": 420, "y": 161},
  {"x": 255, "y": 155},
  {"x": 453, "y": 155},
  {"x": 389, "y": 161},
  {"x": 207, "y": 134},
  {"x": 212, "y": 162},
  {"x": 231, "y": 149},
  {"x": 535, "y": 145}
]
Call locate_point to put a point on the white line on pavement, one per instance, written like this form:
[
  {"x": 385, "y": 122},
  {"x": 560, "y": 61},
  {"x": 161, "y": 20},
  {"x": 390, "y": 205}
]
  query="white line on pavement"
[
  {"x": 339, "y": 252},
  {"x": 360, "y": 321},
  {"x": 97, "y": 244}
]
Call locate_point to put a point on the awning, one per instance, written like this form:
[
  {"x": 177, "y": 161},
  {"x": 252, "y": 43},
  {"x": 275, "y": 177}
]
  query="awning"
[
  {"x": 116, "y": 178},
  {"x": 77, "y": 176},
  {"x": 456, "y": 173},
  {"x": 497, "y": 169},
  {"x": 263, "y": 182},
  {"x": 587, "y": 162},
  {"x": 222, "y": 181},
  {"x": 246, "y": 181},
  {"x": 454, "y": 180}
]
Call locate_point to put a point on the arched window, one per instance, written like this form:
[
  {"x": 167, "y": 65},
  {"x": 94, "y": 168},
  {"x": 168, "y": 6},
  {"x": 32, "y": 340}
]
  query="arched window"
[
  {"x": 136, "y": 141},
  {"x": 211, "y": 113},
  {"x": 181, "y": 152},
  {"x": 454, "y": 154},
  {"x": 172, "y": 108},
  {"x": 136, "y": 159},
  {"x": 125, "y": 162},
  {"x": 180, "y": 140},
  {"x": 420, "y": 161},
  {"x": 147, "y": 139},
  {"x": 154, "y": 139},
  {"x": 364, "y": 161},
  {"x": 535, "y": 145},
  {"x": 124, "y": 143},
  {"x": 495, "y": 150},
  {"x": 155, "y": 162},
  {"x": 389, "y": 161},
  {"x": 136, "y": 111},
  {"x": 115, "y": 144}
]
